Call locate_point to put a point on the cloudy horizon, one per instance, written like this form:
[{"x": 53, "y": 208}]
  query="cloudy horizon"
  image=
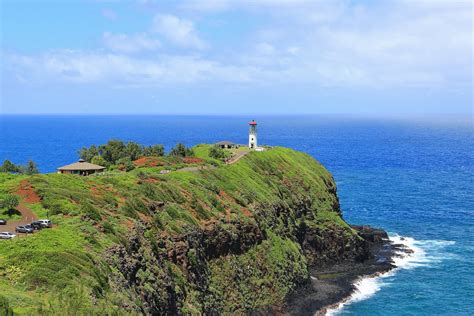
[{"x": 237, "y": 57}]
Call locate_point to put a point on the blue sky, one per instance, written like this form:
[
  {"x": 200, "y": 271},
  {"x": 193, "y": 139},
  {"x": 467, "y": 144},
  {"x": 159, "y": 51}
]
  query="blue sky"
[{"x": 236, "y": 57}]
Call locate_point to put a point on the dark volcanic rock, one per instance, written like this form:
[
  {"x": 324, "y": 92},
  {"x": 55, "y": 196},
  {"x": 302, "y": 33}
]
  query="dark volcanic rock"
[{"x": 333, "y": 282}]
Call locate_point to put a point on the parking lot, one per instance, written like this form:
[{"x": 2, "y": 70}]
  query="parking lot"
[{"x": 27, "y": 217}]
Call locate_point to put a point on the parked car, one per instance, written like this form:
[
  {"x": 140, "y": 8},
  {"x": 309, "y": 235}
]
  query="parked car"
[
  {"x": 36, "y": 225},
  {"x": 27, "y": 229},
  {"x": 3, "y": 221},
  {"x": 7, "y": 235},
  {"x": 45, "y": 223}
]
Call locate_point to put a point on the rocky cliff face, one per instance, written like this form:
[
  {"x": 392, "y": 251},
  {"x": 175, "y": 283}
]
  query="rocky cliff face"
[{"x": 248, "y": 265}]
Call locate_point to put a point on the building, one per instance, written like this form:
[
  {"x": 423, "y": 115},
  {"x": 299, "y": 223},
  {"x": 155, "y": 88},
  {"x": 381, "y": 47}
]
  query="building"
[
  {"x": 227, "y": 144},
  {"x": 81, "y": 167},
  {"x": 253, "y": 135}
]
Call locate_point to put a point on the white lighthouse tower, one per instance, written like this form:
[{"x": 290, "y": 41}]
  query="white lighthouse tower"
[{"x": 253, "y": 135}]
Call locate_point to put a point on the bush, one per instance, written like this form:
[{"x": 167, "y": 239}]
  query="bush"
[
  {"x": 218, "y": 153},
  {"x": 125, "y": 164}
]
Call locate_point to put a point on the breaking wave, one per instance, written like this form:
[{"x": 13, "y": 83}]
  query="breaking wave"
[{"x": 423, "y": 253}]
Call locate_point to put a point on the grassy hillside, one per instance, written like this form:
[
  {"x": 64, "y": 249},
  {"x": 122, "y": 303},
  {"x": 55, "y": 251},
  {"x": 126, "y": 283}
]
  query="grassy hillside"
[{"x": 211, "y": 238}]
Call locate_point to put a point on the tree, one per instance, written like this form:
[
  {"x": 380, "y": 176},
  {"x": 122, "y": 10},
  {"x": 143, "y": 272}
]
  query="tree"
[
  {"x": 98, "y": 160},
  {"x": 8, "y": 166},
  {"x": 88, "y": 153},
  {"x": 110, "y": 154},
  {"x": 181, "y": 151},
  {"x": 113, "y": 151},
  {"x": 154, "y": 150},
  {"x": 9, "y": 202},
  {"x": 134, "y": 150},
  {"x": 31, "y": 168}
]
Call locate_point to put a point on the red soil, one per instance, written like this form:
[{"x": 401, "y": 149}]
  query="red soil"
[
  {"x": 148, "y": 162},
  {"x": 27, "y": 193},
  {"x": 192, "y": 160}
]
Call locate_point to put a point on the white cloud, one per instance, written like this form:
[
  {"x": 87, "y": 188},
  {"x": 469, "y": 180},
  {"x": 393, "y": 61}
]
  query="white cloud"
[
  {"x": 180, "y": 32},
  {"x": 130, "y": 43},
  {"x": 97, "y": 67},
  {"x": 337, "y": 43}
]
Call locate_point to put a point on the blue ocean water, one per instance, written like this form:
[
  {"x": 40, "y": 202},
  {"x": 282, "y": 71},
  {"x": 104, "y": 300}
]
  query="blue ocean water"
[{"x": 411, "y": 177}]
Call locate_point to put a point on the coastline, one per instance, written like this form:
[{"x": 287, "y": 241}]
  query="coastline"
[{"x": 334, "y": 286}]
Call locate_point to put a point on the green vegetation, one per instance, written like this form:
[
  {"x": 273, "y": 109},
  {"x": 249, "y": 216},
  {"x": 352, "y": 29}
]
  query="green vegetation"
[
  {"x": 218, "y": 153},
  {"x": 9, "y": 167},
  {"x": 181, "y": 150},
  {"x": 8, "y": 205},
  {"x": 116, "y": 152},
  {"x": 203, "y": 241}
]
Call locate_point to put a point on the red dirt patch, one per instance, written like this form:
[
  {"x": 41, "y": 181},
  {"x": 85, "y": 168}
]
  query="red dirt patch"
[
  {"x": 247, "y": 212},
  {"x": 27, "y": 193},
  {"x": 128, "y": 223},
  {"x": 192, "y": 160},
  {"x": 148, "y": 180},
  {"x": 148, "y": 162}
]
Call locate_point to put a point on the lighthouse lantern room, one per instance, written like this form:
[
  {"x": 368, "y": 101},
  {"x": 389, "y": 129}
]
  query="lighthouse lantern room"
[{"x": 253, "y": 135}]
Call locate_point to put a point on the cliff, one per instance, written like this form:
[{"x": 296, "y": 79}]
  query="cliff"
[{"x": 211, "y": 238}]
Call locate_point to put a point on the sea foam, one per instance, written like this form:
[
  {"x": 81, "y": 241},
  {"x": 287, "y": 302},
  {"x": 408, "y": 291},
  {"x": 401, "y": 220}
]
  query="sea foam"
[{"x": 422, "y": 253}]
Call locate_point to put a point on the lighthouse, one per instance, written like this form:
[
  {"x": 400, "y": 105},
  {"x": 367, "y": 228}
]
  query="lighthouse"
[{"x": 253, "y": 135}]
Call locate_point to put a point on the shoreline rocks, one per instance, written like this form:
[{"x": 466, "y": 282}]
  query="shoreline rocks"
[{"x": 332, "y": 284}]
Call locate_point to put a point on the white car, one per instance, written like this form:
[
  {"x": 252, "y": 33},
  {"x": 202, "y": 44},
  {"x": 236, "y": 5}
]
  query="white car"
[{"x": 7, "y": 235}]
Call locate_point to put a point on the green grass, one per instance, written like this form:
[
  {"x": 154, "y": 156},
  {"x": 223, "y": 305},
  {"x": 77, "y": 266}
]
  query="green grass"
[{"x": 92, "y": 213}]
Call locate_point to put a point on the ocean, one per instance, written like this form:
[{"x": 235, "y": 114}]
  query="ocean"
[{"x": 412, "y": 177}]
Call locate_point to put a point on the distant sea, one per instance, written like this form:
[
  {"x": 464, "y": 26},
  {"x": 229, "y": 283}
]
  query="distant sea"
[{"x": 412, "y": 177}]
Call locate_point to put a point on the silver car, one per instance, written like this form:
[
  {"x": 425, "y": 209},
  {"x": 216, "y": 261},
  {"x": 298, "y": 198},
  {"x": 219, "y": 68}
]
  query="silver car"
[
  {"x": 7, "y": 235},
  {"x": 45, "y": 223}
]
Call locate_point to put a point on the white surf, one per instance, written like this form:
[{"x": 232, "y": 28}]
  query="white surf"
[{"x": 416, "y": 257}]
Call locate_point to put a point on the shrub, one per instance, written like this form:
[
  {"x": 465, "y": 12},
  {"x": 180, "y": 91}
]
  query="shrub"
[
  {"x": 218, "y": 153},
  {"x": 125, "y": 164}
]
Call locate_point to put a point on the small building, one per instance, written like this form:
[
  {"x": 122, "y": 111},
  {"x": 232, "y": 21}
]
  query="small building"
[
  {"x": 81, "y": 168},
  {"x": 227, "y": 144}
]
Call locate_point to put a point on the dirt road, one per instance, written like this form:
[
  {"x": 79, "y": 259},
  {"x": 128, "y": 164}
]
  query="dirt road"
[{"x": 27, "y": 217}]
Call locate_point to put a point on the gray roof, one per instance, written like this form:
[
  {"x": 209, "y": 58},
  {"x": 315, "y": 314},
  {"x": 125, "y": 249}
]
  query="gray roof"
[
  {"x": 225, "y": 142},
  {"x": 81, "y": 165}
]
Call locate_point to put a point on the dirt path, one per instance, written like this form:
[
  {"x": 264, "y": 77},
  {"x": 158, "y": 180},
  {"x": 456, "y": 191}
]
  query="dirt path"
[
  {"x": 27, "y": 195},
  {"x": 27, "y": 216},
  {"x": 237, "y": 157},
  {"x": 196, "y": 168}
]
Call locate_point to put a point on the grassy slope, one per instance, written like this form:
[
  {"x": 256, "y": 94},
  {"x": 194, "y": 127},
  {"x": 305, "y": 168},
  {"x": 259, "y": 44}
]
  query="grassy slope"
[{"x": 95, "y": 212}]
